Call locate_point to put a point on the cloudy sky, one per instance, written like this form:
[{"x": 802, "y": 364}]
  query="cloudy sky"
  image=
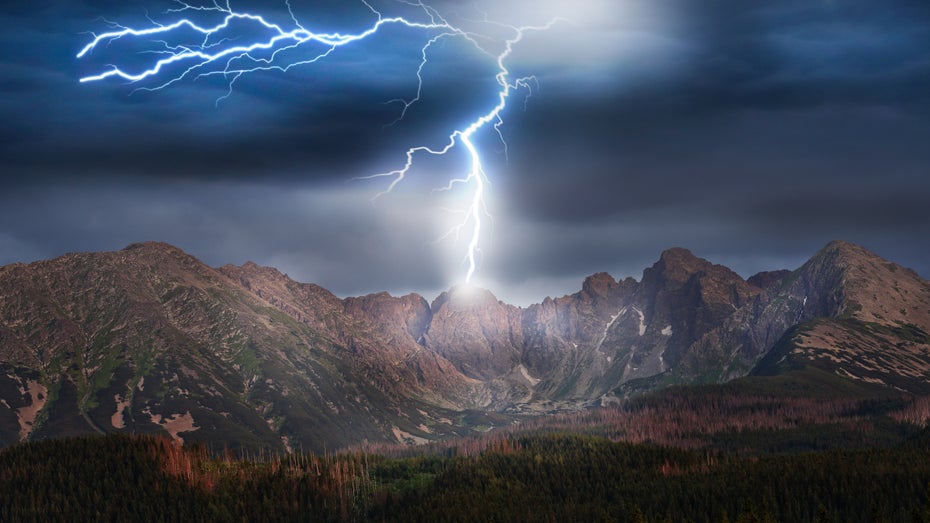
[{"x": 751, "y": 133}]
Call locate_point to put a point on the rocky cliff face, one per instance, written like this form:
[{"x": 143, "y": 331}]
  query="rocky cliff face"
[
  {"x": 565, "y": 339},
  {"x": 479, "y": 334},
  {"x": 682, "y": 298},
  {"x": 148, "y": 339}
]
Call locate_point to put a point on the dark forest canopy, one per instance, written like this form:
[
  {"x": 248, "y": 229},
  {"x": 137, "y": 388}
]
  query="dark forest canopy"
[{"x": 533, "y": 478}]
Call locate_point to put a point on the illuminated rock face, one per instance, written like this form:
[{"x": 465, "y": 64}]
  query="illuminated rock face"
[
  {"x": 149, "y": 339},
  {"x": 480, "y": 334}
]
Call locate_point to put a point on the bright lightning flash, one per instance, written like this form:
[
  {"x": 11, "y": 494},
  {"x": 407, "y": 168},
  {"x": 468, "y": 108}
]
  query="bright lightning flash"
[{"x": 219, "y": 54}]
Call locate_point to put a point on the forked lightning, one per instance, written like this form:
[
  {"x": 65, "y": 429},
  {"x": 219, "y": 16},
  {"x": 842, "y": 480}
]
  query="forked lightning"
[{"x": 225, "y": 50}]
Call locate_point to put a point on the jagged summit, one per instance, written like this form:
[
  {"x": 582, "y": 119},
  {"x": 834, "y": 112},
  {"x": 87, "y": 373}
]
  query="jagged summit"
[
  {"x": 679, "y": 255},
  {"x": 600, "y": 284},
  {"x": 768, "y": 279},
  {"x": 842, "y": 246},
  {"x": 464, "y": 297},
  {"x": 677, "y": 265}
]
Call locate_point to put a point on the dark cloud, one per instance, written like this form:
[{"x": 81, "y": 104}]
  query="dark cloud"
[
  {"x": 752, "y": 133},
  {"x": 327, "y": 234},
  {"x": 326, "y": 121}
]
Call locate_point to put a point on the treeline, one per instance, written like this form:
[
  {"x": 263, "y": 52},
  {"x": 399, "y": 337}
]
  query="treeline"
[
  {"x": 577, "y": 478},
  {"x": 548, "y": 477},
  {"x": 114, "y": 478},
  {"x": 144, "y": 478}
]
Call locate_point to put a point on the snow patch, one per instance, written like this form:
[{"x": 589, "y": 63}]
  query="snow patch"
[
  {"x": 526, "y": 374},
  {"x": 642, "y": 321},
  {"x": 610, "y": 323},
  {"x": 667, "y": 331}
]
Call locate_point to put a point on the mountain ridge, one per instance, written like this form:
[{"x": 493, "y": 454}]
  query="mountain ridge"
[{"x": 150, "y": 339}]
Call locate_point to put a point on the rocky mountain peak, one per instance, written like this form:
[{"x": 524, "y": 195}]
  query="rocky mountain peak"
[
  {"x": 147, "y": 253},
  {"x": 599, "y": 284},
  {"x": 767, "y": 279},
  {"x": 850, "y": 259},
  {"x": 465, "y": 298},
  {"x": 854, "y": 314},
  {"x": 678, "y": 268},
  {"x": 479, "y": 334},
  {"x": 861, "y": 284},
  {"x": 408, "y": 315},
  {"x": 674, "y": 268},
  {"x": 846, "y": 248},
  {"x": 687, "y": 297},
  {"x": 152, "y": 246}
]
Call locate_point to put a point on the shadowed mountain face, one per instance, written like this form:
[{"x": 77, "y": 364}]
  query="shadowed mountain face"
[{"x": 150, "y": 340}]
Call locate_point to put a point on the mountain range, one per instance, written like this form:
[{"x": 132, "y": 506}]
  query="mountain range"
[{"x": 151, "y": 340}]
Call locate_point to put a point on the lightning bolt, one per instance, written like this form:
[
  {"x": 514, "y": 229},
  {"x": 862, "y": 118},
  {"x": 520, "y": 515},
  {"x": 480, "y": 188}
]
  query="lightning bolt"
[{"x": 217, "y": 55}]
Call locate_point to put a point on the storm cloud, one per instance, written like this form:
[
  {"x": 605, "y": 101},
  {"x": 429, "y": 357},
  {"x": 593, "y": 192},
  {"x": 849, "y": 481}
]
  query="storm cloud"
[{"x": 750, "y": 132}]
